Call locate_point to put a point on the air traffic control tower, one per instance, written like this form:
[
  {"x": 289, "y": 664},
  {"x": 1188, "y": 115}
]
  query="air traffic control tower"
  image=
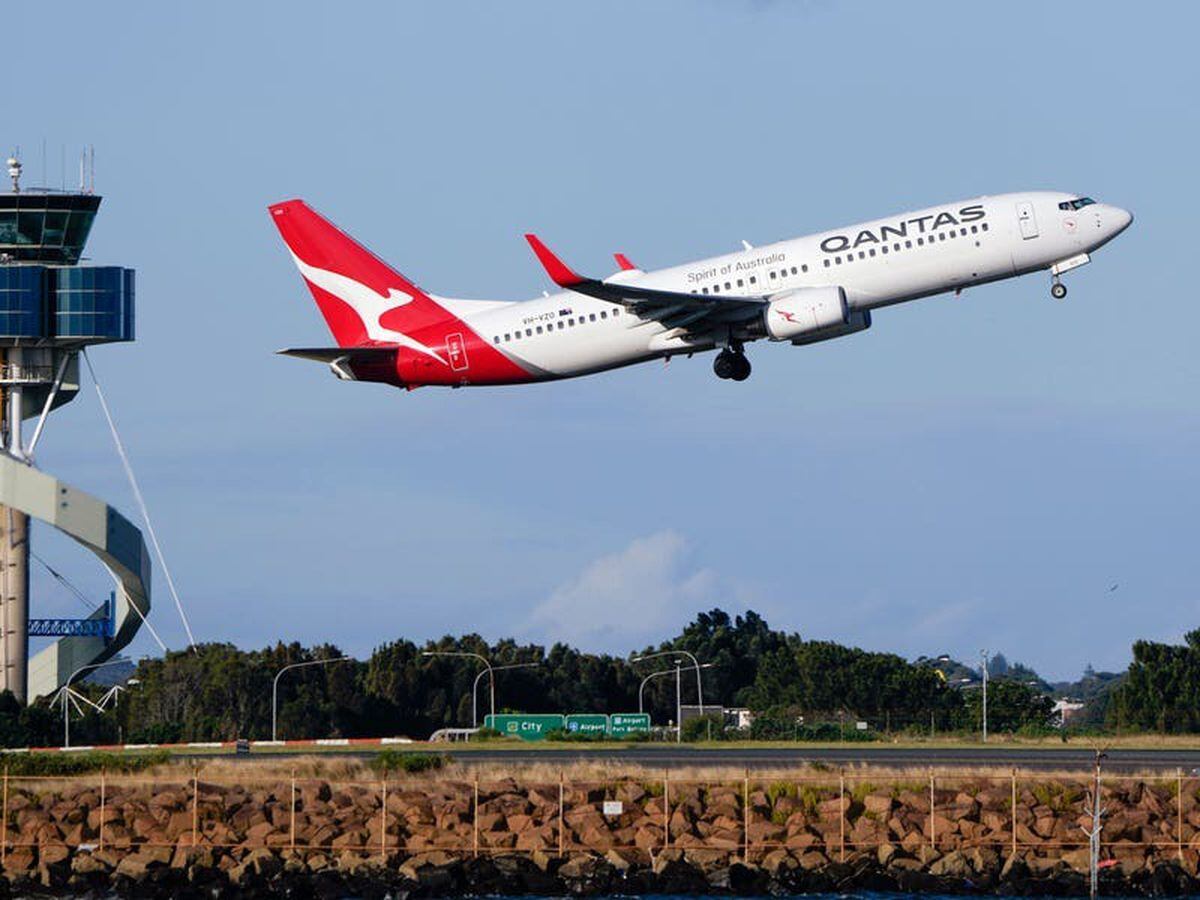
[{"x": 51, "y": 310}]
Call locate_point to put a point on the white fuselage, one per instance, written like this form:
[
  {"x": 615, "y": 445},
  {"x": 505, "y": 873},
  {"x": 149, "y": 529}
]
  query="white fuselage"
[{"x": 876, "y": 263}]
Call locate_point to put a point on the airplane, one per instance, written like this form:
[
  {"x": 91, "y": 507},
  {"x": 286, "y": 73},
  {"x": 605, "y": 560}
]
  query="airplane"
[{"x": 801, "y": 291}]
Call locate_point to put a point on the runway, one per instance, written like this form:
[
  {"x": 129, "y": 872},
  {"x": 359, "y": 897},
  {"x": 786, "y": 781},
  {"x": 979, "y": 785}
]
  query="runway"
[
  {"x": 914, "y": 757},
  {"x": 941, "y": 757}
]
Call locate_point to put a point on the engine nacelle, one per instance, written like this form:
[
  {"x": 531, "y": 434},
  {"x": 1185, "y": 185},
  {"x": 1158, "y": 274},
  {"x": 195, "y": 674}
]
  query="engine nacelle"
[
  {"x": 859, "y": 320},
  {"x": 806, "y": 311}
]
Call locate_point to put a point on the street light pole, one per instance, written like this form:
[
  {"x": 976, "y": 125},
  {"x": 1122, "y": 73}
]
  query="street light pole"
[
  {"x": 63, "y": 693},
  {"x": 983, "y": 654},
  {"x": 678, "y": 703},
  {"x": 483, "y": 659},
  {"x": 643, "y": 684},
  {"x": 695, "y": 665},
  {"x": 482, "y": 672},
  {"x": 275, "y": 684}
]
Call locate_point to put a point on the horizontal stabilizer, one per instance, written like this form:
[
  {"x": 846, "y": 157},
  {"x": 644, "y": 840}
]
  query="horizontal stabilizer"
[{"x": 333, "y": 354}]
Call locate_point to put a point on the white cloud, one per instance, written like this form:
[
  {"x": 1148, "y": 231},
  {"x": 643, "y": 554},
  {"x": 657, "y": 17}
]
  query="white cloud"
[{"x": 639, "y": 595}]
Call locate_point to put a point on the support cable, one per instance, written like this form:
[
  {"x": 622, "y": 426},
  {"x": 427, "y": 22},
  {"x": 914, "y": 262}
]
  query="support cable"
[
  {"x": 137, "y": 493},
  {"x": 65, "y": 582}
]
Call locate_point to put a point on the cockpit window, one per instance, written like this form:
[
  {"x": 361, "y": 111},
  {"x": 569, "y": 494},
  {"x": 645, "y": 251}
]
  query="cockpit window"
[{"x": 1080, "y": 203}]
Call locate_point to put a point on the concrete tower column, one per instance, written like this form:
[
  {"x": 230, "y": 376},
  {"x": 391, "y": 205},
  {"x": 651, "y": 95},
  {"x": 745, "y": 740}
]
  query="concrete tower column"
[
  {"x": 14, "y": 601},
  {"x": 14, "y": 560}
]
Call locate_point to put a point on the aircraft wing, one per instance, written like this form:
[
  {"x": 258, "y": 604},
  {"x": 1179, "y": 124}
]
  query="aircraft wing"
[{"x": 674, "y": 309}]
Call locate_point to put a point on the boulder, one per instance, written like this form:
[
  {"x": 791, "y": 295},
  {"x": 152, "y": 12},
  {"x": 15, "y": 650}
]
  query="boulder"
[
  {"x": 953, "y": 865},
  {"x": 54, "y": 866}
]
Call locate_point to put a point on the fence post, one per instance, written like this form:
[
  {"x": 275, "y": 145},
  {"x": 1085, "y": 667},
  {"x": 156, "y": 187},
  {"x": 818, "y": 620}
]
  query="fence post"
[
  {"x": 195, "y": 807},
  {"x": 4, "y": 822},
  {"x": 292, "y": 814},
  {"x": 666, "y": 809},
  {"x": 103, "y": 797},
  {"x": 475, "y": 820},
  {"x": 746, "y": 819},
  {"x": 561, "y": 825},
  {"x": 841, "y": 815},
  {"x": 383, "y": 819},
  {"x": 1014, "y": 811},
  {"x": 932, "y": 824},
  {"x": 1179, "y": 813}
]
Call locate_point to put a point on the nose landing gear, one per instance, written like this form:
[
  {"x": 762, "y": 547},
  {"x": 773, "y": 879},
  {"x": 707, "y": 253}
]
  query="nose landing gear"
[
  {"x": 732, "y": 364},
  {"x": 1058, "y": 290}
]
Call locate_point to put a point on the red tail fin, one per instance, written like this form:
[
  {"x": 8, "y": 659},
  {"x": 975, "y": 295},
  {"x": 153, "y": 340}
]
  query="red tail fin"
[{"x": 363, "y": 299}]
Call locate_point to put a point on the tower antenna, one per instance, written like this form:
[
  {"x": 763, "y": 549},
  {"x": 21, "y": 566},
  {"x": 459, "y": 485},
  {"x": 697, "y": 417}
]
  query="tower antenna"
[{"x": 14, "y": 170}]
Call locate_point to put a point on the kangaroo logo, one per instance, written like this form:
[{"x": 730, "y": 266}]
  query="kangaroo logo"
[{"x": 369, "y": 304}]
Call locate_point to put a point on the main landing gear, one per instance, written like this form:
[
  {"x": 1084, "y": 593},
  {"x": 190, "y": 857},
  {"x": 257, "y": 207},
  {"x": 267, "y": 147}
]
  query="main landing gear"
[
  {"x": 732, "y": 364},
  {"x": 1058, "y": 290}
]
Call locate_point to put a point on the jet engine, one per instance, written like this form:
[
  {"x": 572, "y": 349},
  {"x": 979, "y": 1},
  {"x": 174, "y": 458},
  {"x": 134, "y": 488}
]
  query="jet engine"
[{"x": 804, "y": 312}]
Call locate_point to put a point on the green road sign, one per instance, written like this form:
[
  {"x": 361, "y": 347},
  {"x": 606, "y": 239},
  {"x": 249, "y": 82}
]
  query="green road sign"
[
  {"x": 587, "y": 723},
  {"x": 621, "y": 724},
  {"x": 525, "y": 727}
]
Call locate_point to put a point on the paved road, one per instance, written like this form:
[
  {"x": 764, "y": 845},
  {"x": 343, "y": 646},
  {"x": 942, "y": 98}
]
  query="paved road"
[{"x": 1077, "y": 757}]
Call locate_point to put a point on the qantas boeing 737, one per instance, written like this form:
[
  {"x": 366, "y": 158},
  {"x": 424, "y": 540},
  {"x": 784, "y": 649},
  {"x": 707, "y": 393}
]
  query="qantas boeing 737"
[{"x": 798, "y": 291}]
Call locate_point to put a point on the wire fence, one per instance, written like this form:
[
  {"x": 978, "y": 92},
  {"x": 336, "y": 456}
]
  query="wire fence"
[{"x": 837, "y": 815}]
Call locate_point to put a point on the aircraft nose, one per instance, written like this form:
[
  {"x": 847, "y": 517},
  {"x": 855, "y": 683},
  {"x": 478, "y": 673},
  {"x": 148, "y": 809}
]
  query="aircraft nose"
[{"x": 1120, "y": 218}]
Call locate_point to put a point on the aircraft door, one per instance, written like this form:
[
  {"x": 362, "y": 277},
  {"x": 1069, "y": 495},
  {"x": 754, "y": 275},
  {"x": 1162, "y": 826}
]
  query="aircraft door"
[
  {"x": 456, "y": 349},
  {"x": 1027, "y": 220}
]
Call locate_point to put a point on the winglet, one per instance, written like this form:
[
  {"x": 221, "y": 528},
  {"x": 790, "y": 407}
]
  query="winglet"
[
  {"x": 623, "y": 262},
  {"x": 558, "y": 271}
]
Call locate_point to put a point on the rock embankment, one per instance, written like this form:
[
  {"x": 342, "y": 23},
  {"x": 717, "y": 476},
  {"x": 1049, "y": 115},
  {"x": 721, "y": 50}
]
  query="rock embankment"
[{"x": 322, "y": 838}]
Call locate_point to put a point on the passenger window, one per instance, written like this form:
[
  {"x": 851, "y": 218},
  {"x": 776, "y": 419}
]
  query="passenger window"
[
  {"x": 896, "y": 246},
  {"x": 704, "y": 290},
  {"x": 771, "y": 275},
  {"x": 883, "y": 249},
  {"x": 716, "y": 289},
  {"x": 539, "y": 329},
  {"x": 739, "y": 283},
  {"x": 793, "y": 270},
  {"x": 872, "y": 251},
  {"x": 963, "y": 232},
  {"x": 862, "y": 254},
  {"x": 838, "y": 260},
  {"x": 804, "y": 267},
  {"x": 908, "y": 245},
  {"x": 604, "y": 314},
  {"x": 826, "y": 261},
  {"x": 941, "y": 236},
  {"x": 591, "y": 317},
  {"x": 528, "y": 332},
  {"x": 561, "y": 326},
  {"x": 984, "y": 226},
  {"x": 728, "y": 287},
  {"x": 974, "y": 229}
]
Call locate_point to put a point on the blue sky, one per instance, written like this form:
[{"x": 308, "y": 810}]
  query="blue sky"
[{"x": 972, "y": 472}]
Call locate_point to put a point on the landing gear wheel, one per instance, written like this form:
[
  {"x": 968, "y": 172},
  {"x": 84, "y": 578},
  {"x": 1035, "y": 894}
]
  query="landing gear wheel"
[
  {"x": 725, "y": 365},
  {"x": 731, "y": 365},
  {"x": 1058, "y": 290}
]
